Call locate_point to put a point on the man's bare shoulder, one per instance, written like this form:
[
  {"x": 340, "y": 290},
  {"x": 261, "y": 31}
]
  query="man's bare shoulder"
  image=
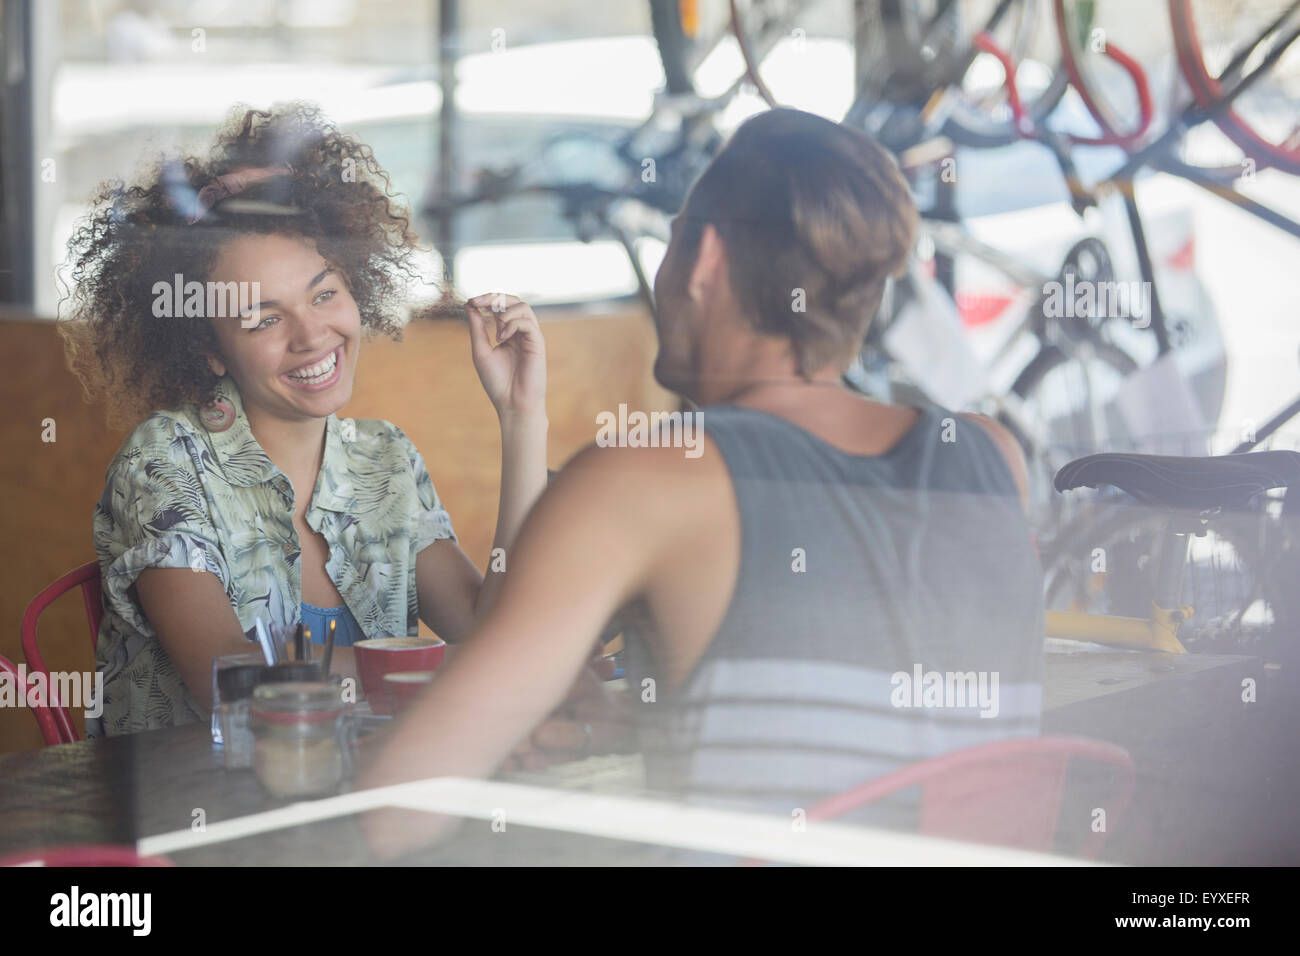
[
  {"x": 653, "y": 490},
  {"x": 636, "y": 465},
  {"x": 1010, "y": 448}
]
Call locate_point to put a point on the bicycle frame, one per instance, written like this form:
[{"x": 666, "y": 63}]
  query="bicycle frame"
[
  {"x": 951, "y": 240},
  {"x": 1159, "y": 153},
  {"x": 1157, "y": 632},
  {"x": 1269, "y": 429}
]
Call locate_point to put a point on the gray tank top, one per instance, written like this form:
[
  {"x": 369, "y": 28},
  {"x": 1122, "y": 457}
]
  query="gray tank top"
[{"x": 887, "y": 609}]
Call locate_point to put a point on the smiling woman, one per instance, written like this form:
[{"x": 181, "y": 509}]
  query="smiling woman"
[{"x": 242, "y": 495}]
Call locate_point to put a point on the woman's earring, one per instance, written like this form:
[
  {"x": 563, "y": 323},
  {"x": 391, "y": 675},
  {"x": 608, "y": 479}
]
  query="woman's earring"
[{"x": 218, "y": 414}]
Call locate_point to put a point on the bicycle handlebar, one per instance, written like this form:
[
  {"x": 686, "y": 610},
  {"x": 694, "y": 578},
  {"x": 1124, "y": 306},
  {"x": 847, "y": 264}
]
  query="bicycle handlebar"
[
  {"x": 1024, "y": 125},
  {"x": 1146, "y": 110}
]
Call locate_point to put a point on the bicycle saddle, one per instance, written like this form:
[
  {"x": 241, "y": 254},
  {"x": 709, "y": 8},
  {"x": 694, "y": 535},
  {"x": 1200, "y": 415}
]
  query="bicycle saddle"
[{"x": 1231, "y": 482}]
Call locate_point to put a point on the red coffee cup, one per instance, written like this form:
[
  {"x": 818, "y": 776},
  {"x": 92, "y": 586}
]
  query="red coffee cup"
[
  {"x": 391, "y": 655},
  {"x": 403, "y": 687}
]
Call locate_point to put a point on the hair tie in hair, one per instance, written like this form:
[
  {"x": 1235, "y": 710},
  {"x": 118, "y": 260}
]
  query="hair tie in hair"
[{"x": 232, "y": 184}]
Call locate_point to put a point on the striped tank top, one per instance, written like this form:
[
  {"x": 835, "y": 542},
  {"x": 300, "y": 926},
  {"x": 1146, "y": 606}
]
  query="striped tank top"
[{"x": 887, "y": 609}]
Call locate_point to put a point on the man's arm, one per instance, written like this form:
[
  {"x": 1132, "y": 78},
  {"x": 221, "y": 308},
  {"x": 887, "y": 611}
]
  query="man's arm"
[{"x": 588, "y": 546}]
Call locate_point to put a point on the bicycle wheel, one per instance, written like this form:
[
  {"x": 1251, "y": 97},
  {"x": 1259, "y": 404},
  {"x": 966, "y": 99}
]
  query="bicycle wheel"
[
  {"x": 1068, "y": 388},
  {"x": 1264, "y": 122},
  {"x": 1108, "y": 560},
  {"x": 1065, "y": 411},
  {"x": 1070, "y": 385},
  {"x": 981, "y": 114},
  {"x": 1085, "y": 29},
  {"x": 927, "y": 44}
]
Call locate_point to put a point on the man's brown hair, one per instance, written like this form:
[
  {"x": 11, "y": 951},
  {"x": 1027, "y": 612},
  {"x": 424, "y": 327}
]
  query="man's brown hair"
[{"x": 815, "y": 218}]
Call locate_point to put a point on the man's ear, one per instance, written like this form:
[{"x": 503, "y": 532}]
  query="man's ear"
[
  {"x": 218, "y": 367},
  {"x": 710, "y": 264}
]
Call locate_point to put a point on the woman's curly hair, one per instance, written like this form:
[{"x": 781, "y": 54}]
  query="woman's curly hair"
[{"x": 333, "y": 193}]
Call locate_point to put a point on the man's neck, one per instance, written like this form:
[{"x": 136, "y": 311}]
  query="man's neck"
[{"x": 759, "y": 369}]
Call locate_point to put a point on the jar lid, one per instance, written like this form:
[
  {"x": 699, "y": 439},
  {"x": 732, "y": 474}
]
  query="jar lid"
[
  {"x": 293, "y": 671},
  {"x": 237, "y": 683},
  {"x": 291, "y": 701}
]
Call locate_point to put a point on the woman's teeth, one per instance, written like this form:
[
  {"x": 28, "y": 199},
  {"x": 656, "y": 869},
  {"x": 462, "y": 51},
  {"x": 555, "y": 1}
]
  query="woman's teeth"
[{"x": 317, "y": 373}]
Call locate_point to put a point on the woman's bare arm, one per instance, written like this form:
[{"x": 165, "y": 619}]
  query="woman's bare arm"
[
  {"x": 192, "y": 616},
  {"x": 510, "y": 358},
  {"x": 448, "y": 585}
]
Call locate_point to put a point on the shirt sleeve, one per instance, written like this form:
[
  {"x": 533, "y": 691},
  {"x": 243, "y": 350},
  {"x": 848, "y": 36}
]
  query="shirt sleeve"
[
  {"x": 433, "y": 523},
  {"x": 153, "y": 514}
]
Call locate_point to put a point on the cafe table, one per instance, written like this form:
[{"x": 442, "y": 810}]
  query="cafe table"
[
  {"x": 155, "y": 787},
  {"x": 142, "y": 787}
]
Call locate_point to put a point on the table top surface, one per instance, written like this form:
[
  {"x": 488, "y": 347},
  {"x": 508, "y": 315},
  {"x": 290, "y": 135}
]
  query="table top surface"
[
  {"x": 121, "y": 789},
  {"x": 1075, "y": 673}
]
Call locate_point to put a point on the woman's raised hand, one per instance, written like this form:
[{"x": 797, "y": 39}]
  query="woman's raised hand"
[{"x": 509, "y": 353}]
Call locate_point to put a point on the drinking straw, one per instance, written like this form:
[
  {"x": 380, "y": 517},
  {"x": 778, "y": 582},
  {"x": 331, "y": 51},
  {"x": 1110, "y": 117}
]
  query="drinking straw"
[
  {"x": 279, "y": 644},
  {"x": 264, "y": 640}
]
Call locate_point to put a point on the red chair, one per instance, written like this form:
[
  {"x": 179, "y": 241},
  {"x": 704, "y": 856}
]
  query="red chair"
[
  {"x": 45, "y": 719},
  {"x": 87, "y": 578},
  {"x": 87, "y": 855},
  {"x": 1007, "y": 793}
]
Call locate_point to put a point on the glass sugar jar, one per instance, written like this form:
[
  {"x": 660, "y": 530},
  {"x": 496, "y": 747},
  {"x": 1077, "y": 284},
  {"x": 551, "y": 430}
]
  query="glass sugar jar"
[
  {"x": 236, "y": 685},
  {"x": 301, "y": 738}
]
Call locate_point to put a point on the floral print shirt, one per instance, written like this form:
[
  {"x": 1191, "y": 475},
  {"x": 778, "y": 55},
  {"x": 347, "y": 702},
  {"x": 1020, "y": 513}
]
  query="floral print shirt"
[{"x": 179, "y": 495}]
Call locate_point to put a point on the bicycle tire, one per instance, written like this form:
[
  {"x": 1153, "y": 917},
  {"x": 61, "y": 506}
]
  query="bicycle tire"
[
  {"x": 994, "y": 135},
  {"x": 1126, "y": 534},
  {"x": 1051, "y": 356},
  {"x": 1042, "y": 462},
  {"x": 982, "y": 133},
  {"x": 1099, "y": 108},
  {"x": 1207, "y": 91}
]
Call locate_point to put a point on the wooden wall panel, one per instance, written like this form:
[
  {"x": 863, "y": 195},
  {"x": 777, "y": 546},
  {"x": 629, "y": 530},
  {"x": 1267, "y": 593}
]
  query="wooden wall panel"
[{"x": 425, "y": 384}]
